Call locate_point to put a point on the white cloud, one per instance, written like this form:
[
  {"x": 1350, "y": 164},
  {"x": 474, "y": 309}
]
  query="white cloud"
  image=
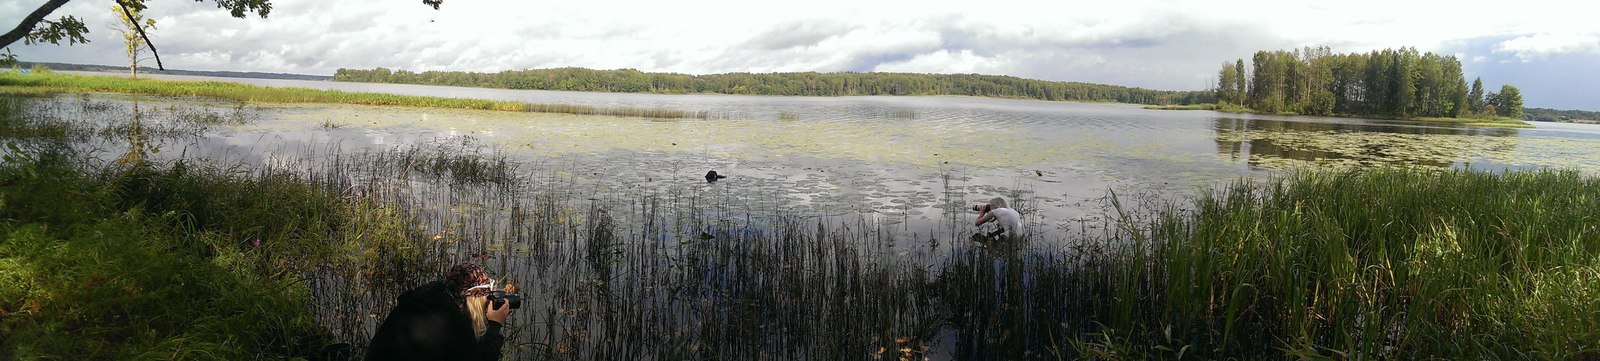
[
  {"x": 1534, "y": 46},
  {"x": 1166, "y": 44},
  {"x": 945, "y": 61}
]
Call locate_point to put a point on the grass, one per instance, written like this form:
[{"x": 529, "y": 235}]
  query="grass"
[
  {"x": 160, "y": 261},
  {"x": 1502, "y": 122},
  {"x": 1221, "y": 107},
  {"x": 103, "y": 260},
  {"x": 45, "y": 83},
  {"x": 1386, "y": 263}
]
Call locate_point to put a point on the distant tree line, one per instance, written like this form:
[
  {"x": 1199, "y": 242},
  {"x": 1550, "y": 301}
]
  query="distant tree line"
[
  {"x": 1553, "y": 115},
  {"x": 813, "y": 84},
  {"x": 1388, "y": 83}
]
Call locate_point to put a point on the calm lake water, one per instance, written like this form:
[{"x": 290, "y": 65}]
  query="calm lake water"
[
  {"x": 852, "y": 168},
  {"x": 897, "y": 158}
]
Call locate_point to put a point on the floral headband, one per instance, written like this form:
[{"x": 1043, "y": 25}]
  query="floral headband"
[{"x": 470, "y": 280}]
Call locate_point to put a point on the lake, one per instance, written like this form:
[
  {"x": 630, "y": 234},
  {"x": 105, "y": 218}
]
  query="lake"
[
  {"x": 890, "y": 156},
  {"x": 601, "y": 217}
]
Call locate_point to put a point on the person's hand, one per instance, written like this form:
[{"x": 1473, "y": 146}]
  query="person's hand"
[{"x": 498, "y": 315}]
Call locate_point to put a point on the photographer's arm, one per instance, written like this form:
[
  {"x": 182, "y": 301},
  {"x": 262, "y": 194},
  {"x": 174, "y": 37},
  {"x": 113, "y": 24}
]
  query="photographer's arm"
[
  {"x": 983, "y": 218},
  {"x": 491, "y": 342}
]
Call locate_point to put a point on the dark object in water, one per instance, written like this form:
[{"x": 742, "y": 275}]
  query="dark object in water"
[
  {"x": 712, "y": 176},
  {"x": 704, "y": 235}
]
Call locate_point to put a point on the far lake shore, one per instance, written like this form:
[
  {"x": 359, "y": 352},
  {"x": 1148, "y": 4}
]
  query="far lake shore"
[{"x": 1501, "y": 122}]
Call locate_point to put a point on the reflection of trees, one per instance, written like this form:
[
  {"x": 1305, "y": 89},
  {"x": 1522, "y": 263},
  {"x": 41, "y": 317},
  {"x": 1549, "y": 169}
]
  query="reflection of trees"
[
  {"x": 1233, "y": 140},
  {"x": 139, "y": 149}
]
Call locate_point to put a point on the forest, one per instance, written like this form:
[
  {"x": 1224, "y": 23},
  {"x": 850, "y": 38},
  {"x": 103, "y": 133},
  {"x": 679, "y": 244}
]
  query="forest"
[
  {"x": 1393, "y": 83},
  {"x": 808, "y": 84},
  {"x": 1556, "y": 115}
]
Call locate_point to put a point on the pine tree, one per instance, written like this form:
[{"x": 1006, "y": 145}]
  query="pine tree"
[{"x": 1475, "y": 99}]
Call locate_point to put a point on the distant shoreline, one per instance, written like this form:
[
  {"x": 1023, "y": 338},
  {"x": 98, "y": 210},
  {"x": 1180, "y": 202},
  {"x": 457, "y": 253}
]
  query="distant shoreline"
[
  {"x": 1501, "y": 122},
  {"x": 49, "y": 82},
  {"x": 147, "y": 70}
]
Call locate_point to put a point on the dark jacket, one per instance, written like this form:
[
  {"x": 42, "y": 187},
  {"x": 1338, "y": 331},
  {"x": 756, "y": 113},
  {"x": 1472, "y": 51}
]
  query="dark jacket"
[{"x": 430, "y": 324}]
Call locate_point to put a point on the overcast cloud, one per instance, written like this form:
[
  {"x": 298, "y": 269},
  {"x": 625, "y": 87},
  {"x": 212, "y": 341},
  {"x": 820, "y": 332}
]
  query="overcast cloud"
[{"x": 1548, "y": 48}]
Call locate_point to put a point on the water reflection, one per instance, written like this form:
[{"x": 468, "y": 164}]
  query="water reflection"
[{"x": 1258, "y": 142}]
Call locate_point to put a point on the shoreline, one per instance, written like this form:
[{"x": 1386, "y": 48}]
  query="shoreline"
[
  {"x": 41, "y": 84},
  {"x": 1500, "y": 122}
]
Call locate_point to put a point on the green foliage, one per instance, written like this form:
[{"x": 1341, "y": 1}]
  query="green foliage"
[
  {"x": 176, "y": 261},
  {"x": 1475, "y": 101},
  {"x": 1389, "y": 83},
  {"x": 133, "y": 42},
  {"x": 92, "y": 280},
  {"x": 1553, "y": 115},
  {"x": 1508, "y": 102},
  {"x": 67, "y": 28},
  {"x": 9, "y": 59},
  {"x": 809, "y": 84},
  {"x": 1387, "y": 264}
]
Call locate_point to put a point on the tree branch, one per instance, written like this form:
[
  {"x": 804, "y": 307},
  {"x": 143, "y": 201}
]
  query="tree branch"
[
  {"x": 29, "y": 22},
  {"x": 136, "y": 26}
]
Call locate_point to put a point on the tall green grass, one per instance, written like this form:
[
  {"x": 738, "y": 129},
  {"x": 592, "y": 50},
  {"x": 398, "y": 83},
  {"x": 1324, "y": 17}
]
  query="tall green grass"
[
  {"x": 176, "y": 261},
  {"x": 55, "y": 83},
  {"x": 1384, "y": 263}
]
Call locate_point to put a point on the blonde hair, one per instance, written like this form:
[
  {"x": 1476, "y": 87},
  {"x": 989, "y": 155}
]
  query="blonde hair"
[
  {"x": 997, "y": 202},
  {"x": 477, "y": 307}
]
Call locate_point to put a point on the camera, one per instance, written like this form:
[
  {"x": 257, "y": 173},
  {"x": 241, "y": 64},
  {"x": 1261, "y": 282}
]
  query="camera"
[
  {"x": 497, "y": 297},
  {"x": 980, "y": 208}
]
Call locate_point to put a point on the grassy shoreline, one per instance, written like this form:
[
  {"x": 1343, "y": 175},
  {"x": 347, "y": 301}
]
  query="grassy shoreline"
[
  {"x": 46, "y": 83},
  {"x": 1501, "y": 122},
  {"x": 193, "y": 260}
]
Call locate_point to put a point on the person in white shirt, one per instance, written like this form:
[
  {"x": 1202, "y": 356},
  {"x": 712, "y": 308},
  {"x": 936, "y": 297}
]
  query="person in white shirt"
[{"x": 1008, "y": 220}]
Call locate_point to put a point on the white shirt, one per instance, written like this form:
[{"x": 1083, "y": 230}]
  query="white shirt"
[{"x": 1009, "y": 219}]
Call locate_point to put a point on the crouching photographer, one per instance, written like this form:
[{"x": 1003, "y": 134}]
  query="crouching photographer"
[{"x": 457, "y": 318}]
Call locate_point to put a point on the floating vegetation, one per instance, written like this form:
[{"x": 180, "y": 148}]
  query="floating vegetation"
[{"x": 1288, "y": 149}]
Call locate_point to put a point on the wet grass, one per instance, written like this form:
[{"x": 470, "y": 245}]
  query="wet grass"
[
  {"x": 57, "y": 83},
  {"x": 1374, "y": 263}
]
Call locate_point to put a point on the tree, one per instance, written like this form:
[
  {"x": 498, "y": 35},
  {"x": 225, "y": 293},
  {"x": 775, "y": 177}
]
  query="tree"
[
  {"x": 1489, "y": 104},
  {"x": 72, "y": 30},
  {"x": 1242, "y": 83},
  {"x": 1227, "y": 79},
  {"x": 1508, "y": 102},
  {"x": 1475, "y": 98},
  {"x": 1455, "y": 87},
  {"x": 132, "y": 20}
]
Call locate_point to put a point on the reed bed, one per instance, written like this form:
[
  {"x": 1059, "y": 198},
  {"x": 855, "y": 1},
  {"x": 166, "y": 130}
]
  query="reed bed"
[
  {"x": 57, "y": 83},
  {"x": 1378, "y": 263}
]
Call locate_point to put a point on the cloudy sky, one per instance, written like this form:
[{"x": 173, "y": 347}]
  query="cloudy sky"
[{"x": 1550, "y": 49}]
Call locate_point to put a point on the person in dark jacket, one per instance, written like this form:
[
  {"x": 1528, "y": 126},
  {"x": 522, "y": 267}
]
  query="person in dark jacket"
[{"x": 450, "y": 319}]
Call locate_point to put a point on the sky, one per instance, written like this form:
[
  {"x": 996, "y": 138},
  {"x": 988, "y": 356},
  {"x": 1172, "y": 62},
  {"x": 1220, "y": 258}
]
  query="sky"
[{"x": 1548, "y": 49}]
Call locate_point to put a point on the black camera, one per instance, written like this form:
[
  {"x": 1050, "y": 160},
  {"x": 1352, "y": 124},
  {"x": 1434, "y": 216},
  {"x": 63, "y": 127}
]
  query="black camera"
[{"x": 497, "y": 297}]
